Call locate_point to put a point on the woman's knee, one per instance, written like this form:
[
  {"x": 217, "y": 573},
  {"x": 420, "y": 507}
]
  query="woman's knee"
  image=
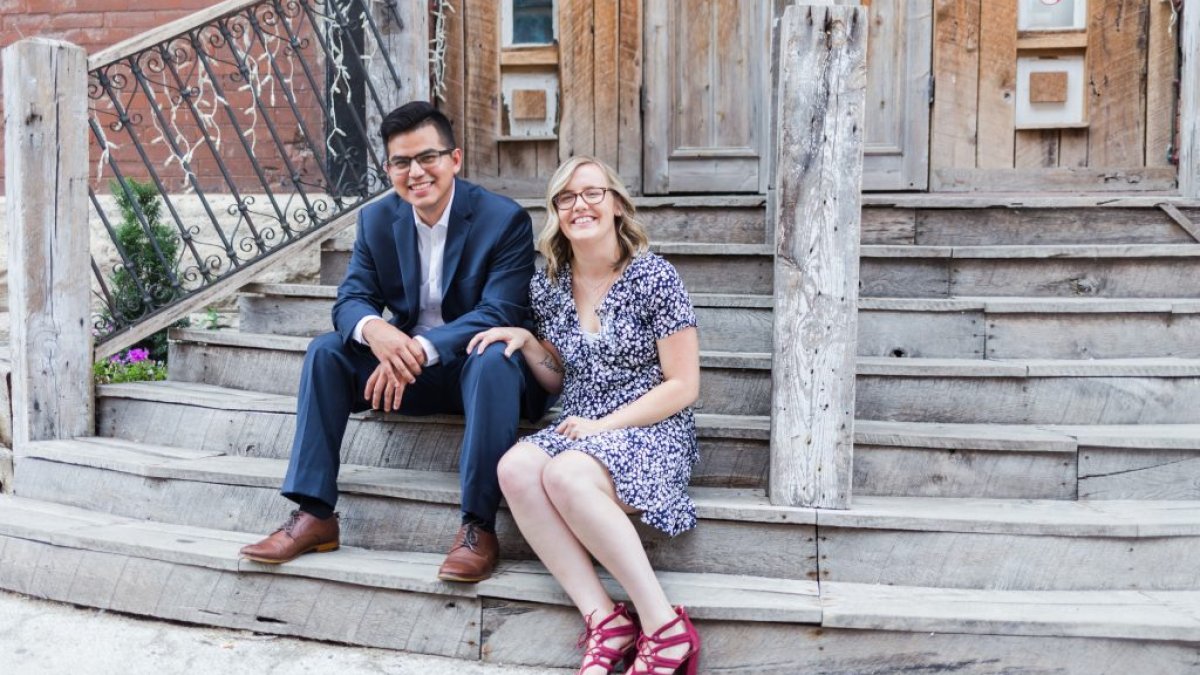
[
  {"x": 572, "y": 474},
  {"x": 520, "y": 470}
]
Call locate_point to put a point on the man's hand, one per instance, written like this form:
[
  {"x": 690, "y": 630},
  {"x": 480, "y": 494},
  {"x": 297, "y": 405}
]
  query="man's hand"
[
  {"x": 383, "y": 390},
  {"x": 401, "y": 355}
]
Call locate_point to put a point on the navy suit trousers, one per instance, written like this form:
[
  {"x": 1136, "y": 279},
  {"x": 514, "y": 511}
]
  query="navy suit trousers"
[{"x": 489, "y": 390}]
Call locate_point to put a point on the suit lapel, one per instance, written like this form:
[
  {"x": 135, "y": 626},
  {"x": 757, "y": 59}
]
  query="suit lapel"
[
  {"x": 410, "y": 259},
  {"x": 456, "y": 233}
]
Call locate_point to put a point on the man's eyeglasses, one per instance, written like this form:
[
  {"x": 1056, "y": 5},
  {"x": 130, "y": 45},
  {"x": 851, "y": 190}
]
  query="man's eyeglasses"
[
  {"x": 426, "y": 159},
  {"x": 566, "y": 200}
]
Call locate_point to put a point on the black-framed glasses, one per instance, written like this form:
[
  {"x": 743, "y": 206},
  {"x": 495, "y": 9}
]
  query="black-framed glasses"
[
  {"x": 427, "y": 160},
  {"x": 565, "y": 200}
]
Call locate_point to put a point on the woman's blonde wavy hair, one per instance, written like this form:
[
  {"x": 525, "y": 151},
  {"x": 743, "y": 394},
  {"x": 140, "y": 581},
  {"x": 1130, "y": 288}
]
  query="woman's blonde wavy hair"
[{"x": 631, "y": 234}]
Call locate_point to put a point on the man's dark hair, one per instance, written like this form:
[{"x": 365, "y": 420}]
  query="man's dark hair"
[{"x": 414, "y": 115}]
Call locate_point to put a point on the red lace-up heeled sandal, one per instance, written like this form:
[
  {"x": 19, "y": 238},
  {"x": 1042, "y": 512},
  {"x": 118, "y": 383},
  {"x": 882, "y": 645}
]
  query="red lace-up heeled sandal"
[
  {"x": 651, "y": 661},
  {"x": 601, "y": 653}
]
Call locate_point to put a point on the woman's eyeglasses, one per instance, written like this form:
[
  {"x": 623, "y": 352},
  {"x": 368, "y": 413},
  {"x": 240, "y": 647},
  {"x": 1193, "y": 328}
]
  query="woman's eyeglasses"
[{"x": 566, "y": 200}]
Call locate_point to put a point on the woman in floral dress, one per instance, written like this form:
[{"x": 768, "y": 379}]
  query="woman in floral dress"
[{"x": 616, "y": 337}]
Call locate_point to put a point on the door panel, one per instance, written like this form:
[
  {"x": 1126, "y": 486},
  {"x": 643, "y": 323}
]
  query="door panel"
[
  {"x": 705, "y": 111},
  {"x": 899, "y": 51}
]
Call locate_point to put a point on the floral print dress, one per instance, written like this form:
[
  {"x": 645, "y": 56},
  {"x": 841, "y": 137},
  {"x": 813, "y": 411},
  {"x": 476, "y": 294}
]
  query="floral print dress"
[{"x": 650, "y": 465}]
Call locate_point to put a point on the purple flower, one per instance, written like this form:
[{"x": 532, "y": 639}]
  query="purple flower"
[
  {"x": 138, "y": 355},
  {"x": 115, "y": 358}
]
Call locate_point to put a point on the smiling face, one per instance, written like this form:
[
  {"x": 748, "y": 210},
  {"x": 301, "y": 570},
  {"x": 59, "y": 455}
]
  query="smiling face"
[
  {"x": 426, "y": 188},
  {"x": 584, "y": 223}
]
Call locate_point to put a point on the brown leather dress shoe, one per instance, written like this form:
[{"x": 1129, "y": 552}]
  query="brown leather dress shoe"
[
  {"x": 302, "y": 533},
  {"x": 473, "y": 556}
]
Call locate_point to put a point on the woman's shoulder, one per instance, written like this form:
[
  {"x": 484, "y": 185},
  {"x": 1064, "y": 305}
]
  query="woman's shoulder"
[{"x": 650, "y": 270}]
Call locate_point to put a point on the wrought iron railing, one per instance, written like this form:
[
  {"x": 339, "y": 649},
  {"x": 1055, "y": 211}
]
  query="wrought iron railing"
[{"x": 228, "y": 140}]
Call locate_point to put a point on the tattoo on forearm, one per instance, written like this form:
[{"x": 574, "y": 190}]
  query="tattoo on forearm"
[{"x": 549, "y": 364}]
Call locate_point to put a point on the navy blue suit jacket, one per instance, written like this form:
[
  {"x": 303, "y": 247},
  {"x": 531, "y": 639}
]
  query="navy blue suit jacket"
[{"x": 487, "y": 265}]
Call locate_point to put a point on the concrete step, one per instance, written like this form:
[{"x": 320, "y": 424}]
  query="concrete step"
[
  {"x": 734, "y": 383},
  {"x": 1014, "y": 391},
  {"x": 749, "y": 625},
  {"x": 891, "y": 458},
  {"x": 963, "y": 327},
  {"x": 1032, "y": 544}
]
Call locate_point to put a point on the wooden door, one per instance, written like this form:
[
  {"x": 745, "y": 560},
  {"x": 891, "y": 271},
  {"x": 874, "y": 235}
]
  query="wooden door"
[
  {"x": 899, "y": 51},
  {"x": 705, "y": 116}
]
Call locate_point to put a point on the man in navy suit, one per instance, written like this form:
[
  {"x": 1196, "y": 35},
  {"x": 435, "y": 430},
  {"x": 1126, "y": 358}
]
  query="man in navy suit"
[{"x": 447, "y": 259}]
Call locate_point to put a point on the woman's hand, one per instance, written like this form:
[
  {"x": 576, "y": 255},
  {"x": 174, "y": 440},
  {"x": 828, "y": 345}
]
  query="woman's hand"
[
  {"x": 576, "y": 428},
  {"x": 514, "y": 338}
]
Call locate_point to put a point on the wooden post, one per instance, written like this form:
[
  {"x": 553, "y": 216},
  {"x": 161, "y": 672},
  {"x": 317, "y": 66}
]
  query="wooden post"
[
  {"x": 818, "y": 182},
  {"x": 49, "y": 284},
  {"x": 1189, "y": 103}
]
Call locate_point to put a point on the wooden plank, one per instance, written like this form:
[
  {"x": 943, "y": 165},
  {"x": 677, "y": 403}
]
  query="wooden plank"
[
  {"x": 1118, "y": 473},
  {"x": 482, "y": 67},
  {"x": 1182, "y": 220},
  {"x": 164, "y": 32},
  {"x": 659, "y": 99},
  {"x": 1048, "y": 87},
  {"x": 1096, "y": 336},
  {"x": 529, "y": 56},
  {"x": 923, "y": 472},
  {"x": 1093, "y": 178},
  {"x": 1051, "y": 40},
  {"x": 1189, "y": 106},
  {"x": 1073, "y": 148},
  {"x": 629, "y": 94},
  {"x": 954, "y": 127},
  {"x": 921, "y": 334},
  {"x": 529, "y": 104},
  {"x": 576, "y": 134},
  {"x": 956, "y": 226},
  {"x": 605, "y": 80},
  {"x": 454, "y": 99},
  {"x": 819, "y": 182},
  {"x": 1036, "y": 149},
  {"x": 997, "y": 83},
  {"x": 1116, "y": 59},
  {"x": 1161, "y": 72},
  {"x": 770, "y": 648},
  {"x": 45, "y": 152}
]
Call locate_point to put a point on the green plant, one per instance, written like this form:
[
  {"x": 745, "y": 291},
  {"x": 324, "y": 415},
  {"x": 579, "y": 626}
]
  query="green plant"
[
  {"x": 147, "y": 279},
  {"x": 212, "y": 318},
  {"x": 134, "y": 365}
]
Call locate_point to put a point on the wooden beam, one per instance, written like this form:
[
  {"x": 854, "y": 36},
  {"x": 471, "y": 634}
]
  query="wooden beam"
[
  {"x": 1189, "y": 106},
  {"x": 818, "y": 202},
  {"x": 529, "y": 56},
  {"x": 46, "y": 164},
  {"x": 164, "y": 32}
]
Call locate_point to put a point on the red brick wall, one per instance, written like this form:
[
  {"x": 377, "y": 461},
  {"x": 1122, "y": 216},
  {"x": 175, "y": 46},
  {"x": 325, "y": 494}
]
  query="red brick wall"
[{"x": 98, "y": 24}]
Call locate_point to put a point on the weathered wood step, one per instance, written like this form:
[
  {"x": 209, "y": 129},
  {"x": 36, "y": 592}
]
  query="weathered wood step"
[
  {"x": 883, "y": 540},
  {"x": 891, "y": 458},
  {"x": 964, "y": 327},
  {"x": 1118, "y": 271},
  {"x": 933, "y": 220},
  {"x": 1015, "y": 391},
  {"x": 750, "y": 625},
  {"x": 381, "y": 508},
  {"x": 733, "y": 382}
]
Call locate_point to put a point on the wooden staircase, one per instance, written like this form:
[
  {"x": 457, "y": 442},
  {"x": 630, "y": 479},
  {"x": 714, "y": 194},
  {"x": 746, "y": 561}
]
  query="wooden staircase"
[{"x": 1026, "y": 483}]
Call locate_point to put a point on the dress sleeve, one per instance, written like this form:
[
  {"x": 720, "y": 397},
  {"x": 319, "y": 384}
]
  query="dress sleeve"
[
  {"x": 670, "y": 304},
  {"x": 540, "y": 300}
]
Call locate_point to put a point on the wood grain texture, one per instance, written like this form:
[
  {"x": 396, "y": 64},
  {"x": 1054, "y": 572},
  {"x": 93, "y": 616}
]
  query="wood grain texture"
[
  {"x": 1162, "y": 62},
  {"x": 1189, "y": 105},
  {"x": 927, "y": 472},
  {"x": 606, "y": 80},
  {"x": 1009, "y": 226},
  {"x": 576, "y": 125},
  {"x": 1116, "y": 58},
  {"x": 45, "y": 155},
  {"x": 1015, "y": 561},
  {"x": 821, "y": 98},
  {"x": 629, "y": 94},
  {"x": 997, "y": 83},
  {"x": 482, "y": 68},
  {"x": 954, "y": 130},
  {"x": 454, "y": 98},
  {"x": 1036, "y": 149},
  {"x": 1093, "y": 178}
]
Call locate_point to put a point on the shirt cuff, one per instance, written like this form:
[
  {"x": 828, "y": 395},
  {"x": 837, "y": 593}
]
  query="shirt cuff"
[
  {"x": 358, "y": 328},
  {"x": 431, "y": 354}
]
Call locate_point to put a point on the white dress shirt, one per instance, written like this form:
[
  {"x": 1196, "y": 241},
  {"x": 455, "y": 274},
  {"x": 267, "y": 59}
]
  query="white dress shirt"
[{"x": 431, "y": 245}]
